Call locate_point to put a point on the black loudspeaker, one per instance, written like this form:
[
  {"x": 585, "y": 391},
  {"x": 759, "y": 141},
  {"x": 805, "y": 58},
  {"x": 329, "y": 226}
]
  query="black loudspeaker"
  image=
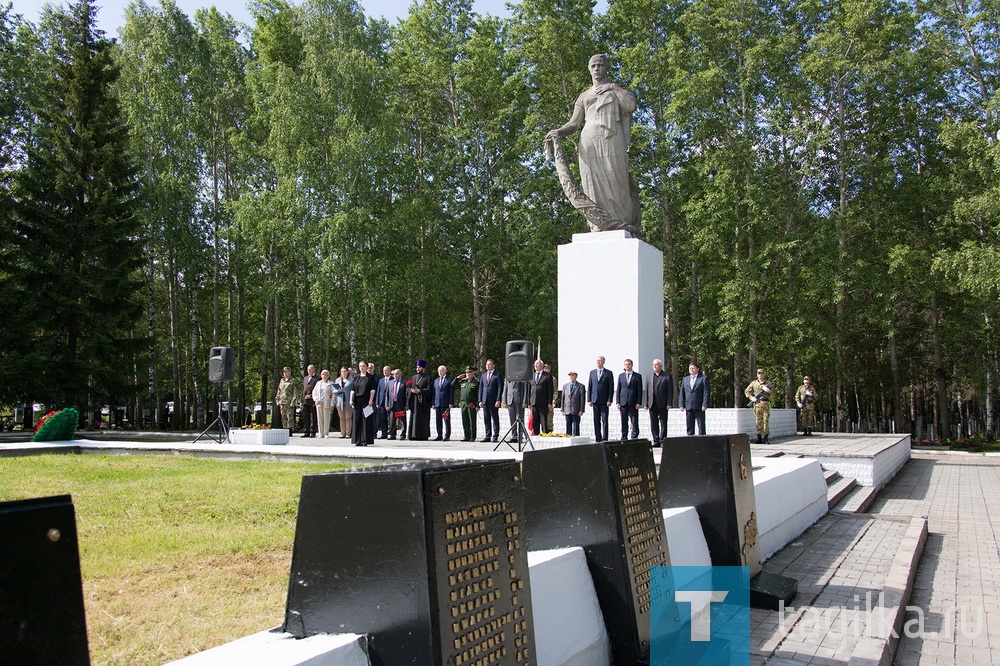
[
  {"x": 220, "y": 364},
  {"x": 41, "y": 593},
  {"x": 520, "y": 360}
]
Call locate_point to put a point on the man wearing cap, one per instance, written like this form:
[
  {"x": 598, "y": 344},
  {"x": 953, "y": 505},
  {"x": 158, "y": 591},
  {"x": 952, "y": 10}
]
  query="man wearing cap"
[
  {"x": 805, "y": 398},
  {"x": 574, "y": 399},
  {"x": 285, "y": 399},
  {"x": 467, "y": 395},
  {"x": 419, "y": 403},
  {"x": 759, "y": 392}
]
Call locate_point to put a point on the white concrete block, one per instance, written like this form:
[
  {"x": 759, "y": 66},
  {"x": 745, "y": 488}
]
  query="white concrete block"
[
  {"x": 569, "y": 627},
  {"x": 790, "y": 495},
  {"x": 257, "y": 437},
  {"x": 685, "y": 539},
  {"x": 610, "y": 304},
  {"x": 276, "y": 648}
]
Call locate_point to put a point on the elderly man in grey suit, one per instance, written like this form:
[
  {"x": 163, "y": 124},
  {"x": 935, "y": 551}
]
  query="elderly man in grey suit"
[
  {"x": 658, "y": 398},
  {"x": 574, "y": 401}
]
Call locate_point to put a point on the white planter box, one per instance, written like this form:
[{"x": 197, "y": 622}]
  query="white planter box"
[{"x": 275, "y": 436}]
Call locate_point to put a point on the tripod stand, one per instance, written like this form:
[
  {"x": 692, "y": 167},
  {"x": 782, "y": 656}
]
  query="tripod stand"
[
  {"x": 517, "y": 429},
  {"x": 223, "y": 436}
]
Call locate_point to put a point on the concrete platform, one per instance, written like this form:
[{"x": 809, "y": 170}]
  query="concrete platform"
[{"x": 873, "y": 460}]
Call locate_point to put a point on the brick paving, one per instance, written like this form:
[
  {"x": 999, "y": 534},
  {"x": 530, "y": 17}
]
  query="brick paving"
[{"x": 957, "y": 585}]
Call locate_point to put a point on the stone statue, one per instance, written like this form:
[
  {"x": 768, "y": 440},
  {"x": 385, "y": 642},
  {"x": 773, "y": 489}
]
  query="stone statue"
[{"x": 609, "y": 198}]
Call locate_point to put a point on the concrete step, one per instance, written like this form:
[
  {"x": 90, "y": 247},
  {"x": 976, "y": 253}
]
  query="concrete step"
[
  {"x": 858, "y": 500},
  {"x": 837, "y": 490},
  {"x": 830, "y": 475}
]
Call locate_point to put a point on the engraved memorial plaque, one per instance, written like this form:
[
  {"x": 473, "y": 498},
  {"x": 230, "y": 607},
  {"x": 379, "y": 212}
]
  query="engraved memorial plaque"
[
  {"x": 430, "y": 561},
  {"x": 42, "y": 617},
  {"x": 715, "y": 475},
  {"x": 604, "y": 498}
]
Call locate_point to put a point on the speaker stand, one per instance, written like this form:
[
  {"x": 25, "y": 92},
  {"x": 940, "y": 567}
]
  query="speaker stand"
[
  {"x": 520, "y": 435},
  {"x": 223, "y": 436}
]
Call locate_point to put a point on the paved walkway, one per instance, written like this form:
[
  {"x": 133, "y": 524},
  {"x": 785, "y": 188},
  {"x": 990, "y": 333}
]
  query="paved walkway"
[
  {"x": 846, "y": 560},
  {"x": 957, "y": 586}
]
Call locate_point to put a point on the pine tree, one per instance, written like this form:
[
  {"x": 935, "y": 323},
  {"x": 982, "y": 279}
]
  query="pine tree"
[{"x": 69, "y": 274}]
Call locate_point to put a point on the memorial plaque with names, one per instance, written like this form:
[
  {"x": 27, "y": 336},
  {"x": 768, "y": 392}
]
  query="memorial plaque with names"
[
  {"x": 429, "y": 560},
  {"x": 604, "y": 498},
  {"x": 42, "y": 617}
]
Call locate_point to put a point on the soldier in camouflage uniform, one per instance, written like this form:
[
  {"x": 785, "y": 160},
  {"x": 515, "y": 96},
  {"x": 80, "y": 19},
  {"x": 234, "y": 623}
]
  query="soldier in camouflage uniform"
[
  {"x": 467, "y": 395},
  {"x": 805, "y": 398},
  {"x": 286, "y": 398},
  {"x": 759, "y": 392}
]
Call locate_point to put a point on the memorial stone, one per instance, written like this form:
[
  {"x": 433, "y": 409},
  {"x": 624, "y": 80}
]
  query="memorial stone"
[
  {"x": 604, "y": 498},
  {"x": 42, "y": 617},
  {"x": 430, "y": 561},
  {"x": 715, "y": 475}
]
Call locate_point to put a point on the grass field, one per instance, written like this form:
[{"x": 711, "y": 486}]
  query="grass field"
[{"x": 178, "y": 554}]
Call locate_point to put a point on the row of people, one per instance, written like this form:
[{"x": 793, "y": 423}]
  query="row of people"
[{"x": 390, "y": 398}]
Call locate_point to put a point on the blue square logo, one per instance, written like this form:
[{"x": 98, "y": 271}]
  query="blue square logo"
[{"x": 700, "y": 615}]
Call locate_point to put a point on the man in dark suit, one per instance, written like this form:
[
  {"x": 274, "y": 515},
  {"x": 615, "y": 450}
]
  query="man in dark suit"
[
  {"x": 490, "y": 388},
  {"x": 382, "y": 414},
  {"x": 574, "y": 400},
  {"x": 540, "y": 399},
  {"x": 308, "y": 404},
  {"x": 444, "y": 398},
  {"x": 694, "y": 398},
  {"x": 659, "y": 396},
  {"x": 395, "y": 403},
  {"x": 628, "y": 398},
  {"x": 599, "y": 391}
]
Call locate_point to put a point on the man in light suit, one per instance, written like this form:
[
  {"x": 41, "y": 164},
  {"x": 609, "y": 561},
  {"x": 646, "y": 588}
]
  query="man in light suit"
[
  {"x": 490, "y": 388},
  {"x": 574, "y": 400},
  {"x": 540, "y": 399},
  {"x": 599, "y": 391},
  {"x": 444, "y": 398},
  {"x": 694, "y": 398},
  {"x": 659, "y": 397},
  {"x": 382, "y": 414},
  {"x": 628, "y": 398},
  {"x": 513, "y": 398}
]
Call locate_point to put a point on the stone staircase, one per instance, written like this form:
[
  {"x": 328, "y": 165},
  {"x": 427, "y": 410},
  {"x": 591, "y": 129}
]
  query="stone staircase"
[{"x": 844, "y": 493}]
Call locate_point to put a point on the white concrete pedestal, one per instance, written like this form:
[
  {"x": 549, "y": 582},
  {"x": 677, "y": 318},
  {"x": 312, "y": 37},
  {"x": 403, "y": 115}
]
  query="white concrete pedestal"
[{"x": 610, "y": 304}]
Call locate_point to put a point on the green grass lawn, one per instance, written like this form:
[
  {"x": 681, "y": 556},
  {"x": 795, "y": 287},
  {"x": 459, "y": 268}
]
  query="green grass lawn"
[{"x": 178, "y": 554}]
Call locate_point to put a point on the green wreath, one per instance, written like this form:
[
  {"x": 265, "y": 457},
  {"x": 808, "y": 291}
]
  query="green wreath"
[{"x": 57, "y": 426}]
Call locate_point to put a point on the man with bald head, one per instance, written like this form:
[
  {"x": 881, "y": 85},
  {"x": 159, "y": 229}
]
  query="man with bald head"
[{"x": 659, "y": 397}]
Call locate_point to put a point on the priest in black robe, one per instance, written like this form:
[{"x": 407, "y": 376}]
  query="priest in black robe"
[{"x": 419, "y": 399}]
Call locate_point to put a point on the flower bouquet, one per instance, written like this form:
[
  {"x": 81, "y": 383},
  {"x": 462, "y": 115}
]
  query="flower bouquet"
[{"x": 57, "y": 426}]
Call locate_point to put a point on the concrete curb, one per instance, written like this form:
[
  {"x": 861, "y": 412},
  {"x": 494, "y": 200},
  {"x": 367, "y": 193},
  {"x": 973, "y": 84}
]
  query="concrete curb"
[{"x": 884, "y": 623}]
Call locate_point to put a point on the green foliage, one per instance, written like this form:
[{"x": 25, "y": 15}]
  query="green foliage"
[{"x": 320, "y": 188}]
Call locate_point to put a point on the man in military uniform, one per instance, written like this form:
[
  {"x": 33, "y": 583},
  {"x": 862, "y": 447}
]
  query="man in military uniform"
[
  {"x": 285, "y": 398},
  {"x": 805, "y": 398},
  {"x": 759, "y": 392},
  {"x": 467, "y": 395}
]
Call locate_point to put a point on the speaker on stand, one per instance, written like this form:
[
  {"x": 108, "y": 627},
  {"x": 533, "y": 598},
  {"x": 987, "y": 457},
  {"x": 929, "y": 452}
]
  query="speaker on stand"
[
  {"x": 517, "y": 368},
  {"x": 221, "y": 370}
]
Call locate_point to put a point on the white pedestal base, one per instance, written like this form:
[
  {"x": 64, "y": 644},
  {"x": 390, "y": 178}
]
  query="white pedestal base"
[{"x": 610, "y": 304}]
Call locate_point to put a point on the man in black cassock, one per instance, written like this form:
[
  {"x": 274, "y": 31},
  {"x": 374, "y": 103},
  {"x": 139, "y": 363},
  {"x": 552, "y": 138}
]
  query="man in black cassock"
[{"x": 419, "y": 401}]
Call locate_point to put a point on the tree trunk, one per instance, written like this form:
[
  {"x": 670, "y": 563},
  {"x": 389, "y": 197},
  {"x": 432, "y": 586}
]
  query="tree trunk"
[{"x": 940, "y": 376}]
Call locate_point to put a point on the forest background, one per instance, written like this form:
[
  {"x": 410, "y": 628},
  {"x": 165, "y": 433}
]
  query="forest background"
[{"x": 322, "y": 187}]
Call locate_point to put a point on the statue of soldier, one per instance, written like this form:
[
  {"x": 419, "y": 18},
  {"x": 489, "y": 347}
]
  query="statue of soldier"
[
  {"x": 467, "y": 395},
  {"x": 805, "y": 398},
  {"x": 286, "y": 398}
]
